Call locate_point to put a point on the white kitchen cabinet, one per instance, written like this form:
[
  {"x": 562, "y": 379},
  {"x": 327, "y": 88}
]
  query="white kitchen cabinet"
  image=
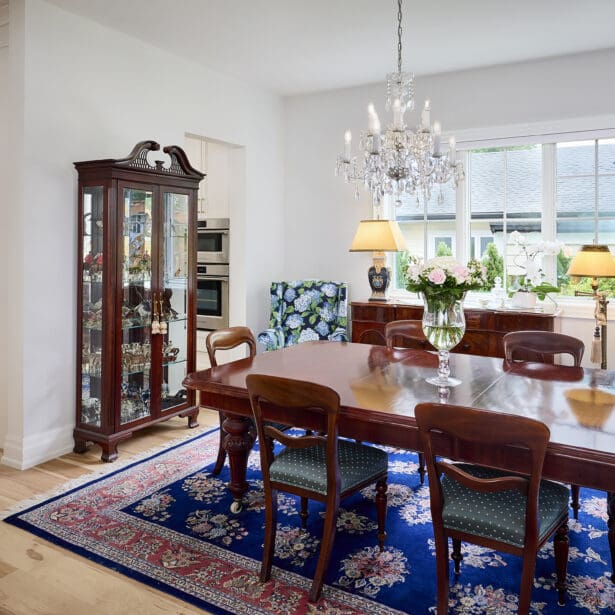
[{"x": 213, "y": 159}]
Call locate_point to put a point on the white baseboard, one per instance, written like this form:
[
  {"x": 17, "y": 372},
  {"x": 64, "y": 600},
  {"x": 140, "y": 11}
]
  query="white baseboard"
[{"x": 24, "y": 453}]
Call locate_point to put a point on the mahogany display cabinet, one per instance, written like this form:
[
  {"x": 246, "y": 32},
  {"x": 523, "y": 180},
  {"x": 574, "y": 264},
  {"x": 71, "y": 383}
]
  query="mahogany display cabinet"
[{"x": 136, "y": 294}]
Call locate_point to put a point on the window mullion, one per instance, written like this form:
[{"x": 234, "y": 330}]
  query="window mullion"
[
  {"x": 596, "y": 194},
  {"x": 549, "y": 209},
  {"x": 463, "y": 224}
]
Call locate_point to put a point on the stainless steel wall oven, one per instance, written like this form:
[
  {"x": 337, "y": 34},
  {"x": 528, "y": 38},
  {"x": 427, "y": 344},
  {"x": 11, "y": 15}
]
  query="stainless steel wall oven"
[
  {"x": 213, "y": 240},
  {"x": 212, "y": 296}
]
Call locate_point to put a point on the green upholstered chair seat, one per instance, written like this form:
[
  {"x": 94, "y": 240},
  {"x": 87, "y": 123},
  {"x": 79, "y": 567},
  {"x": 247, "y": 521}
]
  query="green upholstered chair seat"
[
  {"x": 499, "y": 515},
  {"x": 306, "y": 467}
]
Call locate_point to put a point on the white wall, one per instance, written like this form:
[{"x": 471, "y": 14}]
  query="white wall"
[
  {"x": 322, "y": 213},
  {"x": 93, "y": 93},
  {"x": 4, "y": 201}
]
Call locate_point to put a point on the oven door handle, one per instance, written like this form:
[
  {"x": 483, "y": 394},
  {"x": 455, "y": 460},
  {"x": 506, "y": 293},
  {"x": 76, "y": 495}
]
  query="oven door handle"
[
  {"x": 212, "y": 231},
  {"x": 213, "y": 278}
]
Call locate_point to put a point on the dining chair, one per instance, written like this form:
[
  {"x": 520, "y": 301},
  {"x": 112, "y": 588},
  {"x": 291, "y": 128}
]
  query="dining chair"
[
  {"x": 541, "y": 347},
  {"x": 320, "y": 467},
  {"x": 227, "y": 339},
  {"x": 515, "y": 513},
  {"x": 411, "y": 332}
]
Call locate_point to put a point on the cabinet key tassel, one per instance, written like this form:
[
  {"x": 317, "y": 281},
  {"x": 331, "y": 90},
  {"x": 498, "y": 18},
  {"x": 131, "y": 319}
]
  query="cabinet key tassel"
[
  {"x": 155, "y": 321},
  {"x": 163, "y": 323}
]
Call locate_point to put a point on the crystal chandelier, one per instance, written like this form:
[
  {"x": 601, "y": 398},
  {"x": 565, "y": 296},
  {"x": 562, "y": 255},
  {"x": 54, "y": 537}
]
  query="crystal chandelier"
[{"x": 400, "y": 160}]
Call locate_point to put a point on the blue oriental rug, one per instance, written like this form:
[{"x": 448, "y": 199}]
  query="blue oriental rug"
[{"x": 165, "y": 521}]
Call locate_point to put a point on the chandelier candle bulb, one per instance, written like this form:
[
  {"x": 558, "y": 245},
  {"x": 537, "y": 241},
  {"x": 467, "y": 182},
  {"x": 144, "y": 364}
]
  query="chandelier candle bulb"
[
  {"x": 398, "y": 121},
  {"x": 425, "y": 116},
  {"x": 347, "y": 144},
  {"x": 374, "y": 122},
  {"x": 437, "y": 134},
  {"x": 452, "y": 154},
  {"x": 376, "y": 142}
]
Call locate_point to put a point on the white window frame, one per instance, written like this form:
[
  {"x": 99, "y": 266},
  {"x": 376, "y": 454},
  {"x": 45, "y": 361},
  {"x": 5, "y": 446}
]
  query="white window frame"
[{"x": 547, "y": 134}]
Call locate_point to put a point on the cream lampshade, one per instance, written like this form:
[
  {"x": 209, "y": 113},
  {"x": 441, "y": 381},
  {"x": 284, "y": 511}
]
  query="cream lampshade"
[
  {"x": 378, "y": 236},
  {"x": 595, "y": 261}
]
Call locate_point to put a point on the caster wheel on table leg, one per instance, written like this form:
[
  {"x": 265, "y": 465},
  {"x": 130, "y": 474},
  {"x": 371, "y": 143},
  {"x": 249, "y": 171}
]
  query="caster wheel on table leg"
[{"x": 236, "y": 507}]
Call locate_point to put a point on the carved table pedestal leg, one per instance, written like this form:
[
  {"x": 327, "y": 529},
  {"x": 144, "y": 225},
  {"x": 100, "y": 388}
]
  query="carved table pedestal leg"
[{"x": 238, "y": 444}]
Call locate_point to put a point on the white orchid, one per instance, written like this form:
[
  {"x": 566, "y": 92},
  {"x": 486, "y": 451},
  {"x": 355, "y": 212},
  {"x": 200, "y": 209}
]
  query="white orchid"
[{"x": 526, "y": 259}]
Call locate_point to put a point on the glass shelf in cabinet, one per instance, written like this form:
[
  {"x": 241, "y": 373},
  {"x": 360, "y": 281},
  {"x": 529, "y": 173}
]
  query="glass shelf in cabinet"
[
  {"x": 88, "y": 278},
  {"x": 128, "y": 281},
  {"x": 144, "y": 369},
  {"x": 129, "y": 324},
  {"x": 175, "y": 362},
  {"x": 93, "y": 327}
]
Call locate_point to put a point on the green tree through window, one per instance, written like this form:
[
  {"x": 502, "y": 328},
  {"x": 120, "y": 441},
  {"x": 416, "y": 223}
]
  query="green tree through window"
[{"x": 494, "y": 264}]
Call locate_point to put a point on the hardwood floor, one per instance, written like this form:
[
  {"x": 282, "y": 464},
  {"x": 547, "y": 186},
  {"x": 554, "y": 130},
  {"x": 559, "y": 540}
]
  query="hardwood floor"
[{"x": 37, "y": 577}]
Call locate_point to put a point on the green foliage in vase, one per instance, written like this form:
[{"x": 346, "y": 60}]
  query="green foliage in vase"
[{"x": 444, "y": 337}]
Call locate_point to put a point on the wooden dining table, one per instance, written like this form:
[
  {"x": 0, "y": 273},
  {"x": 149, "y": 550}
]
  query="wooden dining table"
[{"x": 379, "y": 388}]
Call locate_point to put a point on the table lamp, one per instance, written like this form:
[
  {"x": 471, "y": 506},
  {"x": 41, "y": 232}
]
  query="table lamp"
[
  {"x": 595, "y": 261},
  {"x": 378, "y": 236}
]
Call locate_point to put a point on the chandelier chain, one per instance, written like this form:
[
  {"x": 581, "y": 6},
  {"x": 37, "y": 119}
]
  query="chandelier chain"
[{"x": 399, "y": 33}]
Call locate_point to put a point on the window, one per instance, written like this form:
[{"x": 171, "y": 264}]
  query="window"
[
  {"x": 479, "y": 245},
  {"x": 584, "y": 203},
  {"x": 553, "y": 191},
  {"x": 505, "y": 187},
  {"x": 425, "y": 228},
  {"x": 442, "y": 245}
]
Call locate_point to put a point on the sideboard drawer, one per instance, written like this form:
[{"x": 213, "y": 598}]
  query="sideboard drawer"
[
  {"x": 365, "y": 332},
  {"x": 371, "y": 312},
  {"x": 481, "y": 342},
  {"x": 520, "y": 322}
]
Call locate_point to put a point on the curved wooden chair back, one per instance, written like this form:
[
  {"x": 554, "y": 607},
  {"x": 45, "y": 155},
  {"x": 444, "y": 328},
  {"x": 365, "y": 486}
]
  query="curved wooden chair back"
[
  {"x": 542, "y": 346},
  {"x": 411, "y": 331},
  {"x": 448, "y": 430},
  {"x": 492, "y": 431},
  {"x": 319, "y": 405},
  {"x": 227, "y": 339}
]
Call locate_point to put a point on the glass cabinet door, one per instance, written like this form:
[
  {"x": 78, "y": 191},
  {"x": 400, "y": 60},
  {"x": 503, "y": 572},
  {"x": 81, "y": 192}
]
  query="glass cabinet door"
[
  {"x": 137, "y": 305},
  {"x": 92, "y": 306},
  {"x": 173, "y": 304}
]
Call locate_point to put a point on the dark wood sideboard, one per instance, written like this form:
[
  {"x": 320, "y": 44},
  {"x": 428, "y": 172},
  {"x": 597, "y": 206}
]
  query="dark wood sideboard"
[{"x": 485, "y": 328}]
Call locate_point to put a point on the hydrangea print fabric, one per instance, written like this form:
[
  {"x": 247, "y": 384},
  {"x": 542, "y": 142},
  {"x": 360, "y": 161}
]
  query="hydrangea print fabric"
[{"x": 305, "y": 310}]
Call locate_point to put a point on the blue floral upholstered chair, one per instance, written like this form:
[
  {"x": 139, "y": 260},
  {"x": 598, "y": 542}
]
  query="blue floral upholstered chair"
[{"x": 303, "y": 310}]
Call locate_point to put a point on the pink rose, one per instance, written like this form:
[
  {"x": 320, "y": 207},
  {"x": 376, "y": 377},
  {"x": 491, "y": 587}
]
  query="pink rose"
[
  {"x": 461, "y": 273},
  {"x": 437, "y": 276}
]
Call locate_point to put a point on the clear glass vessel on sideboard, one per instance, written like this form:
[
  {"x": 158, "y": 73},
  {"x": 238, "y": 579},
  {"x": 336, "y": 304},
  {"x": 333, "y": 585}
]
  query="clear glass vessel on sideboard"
[{"x": 137, "y": 285}]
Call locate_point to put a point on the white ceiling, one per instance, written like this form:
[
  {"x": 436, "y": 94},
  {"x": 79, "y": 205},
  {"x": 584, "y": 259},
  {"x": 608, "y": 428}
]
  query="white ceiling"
[{"x": 299, "y": 46}]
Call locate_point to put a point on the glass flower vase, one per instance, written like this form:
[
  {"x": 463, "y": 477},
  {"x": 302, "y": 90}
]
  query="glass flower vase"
[{"x": 444, "y": 325}]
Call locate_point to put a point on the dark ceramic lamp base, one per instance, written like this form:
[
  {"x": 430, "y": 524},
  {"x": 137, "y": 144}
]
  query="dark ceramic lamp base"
[{"x": 379, "y": 278}]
